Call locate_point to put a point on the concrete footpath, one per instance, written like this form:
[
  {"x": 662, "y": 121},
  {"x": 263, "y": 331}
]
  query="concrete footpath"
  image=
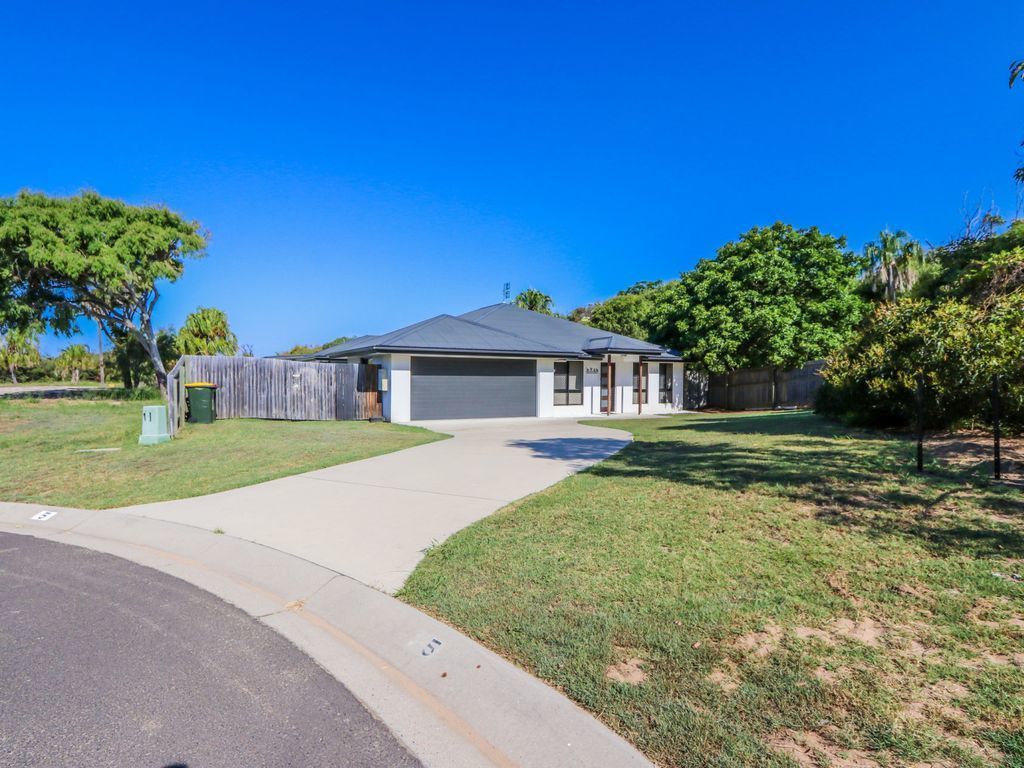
[{"x": 450, "y": 701}]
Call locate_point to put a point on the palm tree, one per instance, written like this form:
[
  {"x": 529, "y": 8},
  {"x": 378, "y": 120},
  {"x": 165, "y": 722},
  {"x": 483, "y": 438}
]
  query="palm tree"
[
  {"x": 206, "y": 332},
  {"x": 1017, "y": 73},
  {"x": 894, "y": 263},
  {"x": 534, "y": 300},
  {"x": 19, "y": 348},
  {"x": 72, "y": 361}
]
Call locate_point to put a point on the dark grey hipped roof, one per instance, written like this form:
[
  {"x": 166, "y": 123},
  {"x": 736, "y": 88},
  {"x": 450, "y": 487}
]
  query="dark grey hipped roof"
[{"x": 500, "y": 329}]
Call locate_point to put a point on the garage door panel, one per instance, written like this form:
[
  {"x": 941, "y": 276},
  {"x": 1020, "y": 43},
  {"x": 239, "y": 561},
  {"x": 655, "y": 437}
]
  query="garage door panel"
[{"x": 470, "y": 388}]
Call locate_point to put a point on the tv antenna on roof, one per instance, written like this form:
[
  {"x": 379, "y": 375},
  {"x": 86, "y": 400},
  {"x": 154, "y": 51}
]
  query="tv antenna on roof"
[{"x": 506, "y": 292}]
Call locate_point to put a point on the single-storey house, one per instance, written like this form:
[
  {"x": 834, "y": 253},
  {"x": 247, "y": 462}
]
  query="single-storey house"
[{"x": 502, "y": 360}]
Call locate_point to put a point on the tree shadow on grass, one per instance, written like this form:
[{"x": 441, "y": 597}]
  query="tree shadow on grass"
[{"x": 853, "y": 479}]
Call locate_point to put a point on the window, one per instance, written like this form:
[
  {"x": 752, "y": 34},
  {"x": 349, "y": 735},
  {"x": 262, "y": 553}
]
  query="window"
[
  {"x": 637, "y": 382},
  {"x": 665, "y": 382},
  {"x": 568, "y": 383}
]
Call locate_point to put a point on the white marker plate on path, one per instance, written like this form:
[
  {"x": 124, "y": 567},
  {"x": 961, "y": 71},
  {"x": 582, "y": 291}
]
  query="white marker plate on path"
[{"x": 44, "y": 515}]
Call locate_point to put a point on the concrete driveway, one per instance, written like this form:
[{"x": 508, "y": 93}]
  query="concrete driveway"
[{"x": 373, "y": 520}]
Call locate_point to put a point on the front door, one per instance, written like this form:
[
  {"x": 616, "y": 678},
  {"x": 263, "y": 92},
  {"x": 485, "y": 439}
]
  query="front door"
[{"x": 607, "y": 387}]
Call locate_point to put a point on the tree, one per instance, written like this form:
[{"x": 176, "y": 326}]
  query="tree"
[
  {"x": 88, "y": 255},
  {"x": 535, "y": 301},
  {"x": 1017, "y": 74},
  {"x": 777, "y": 297},
  {"x": 72, "y": 361},
  {"x": 631, "y": 312},
  {"x": 894, "y": 262},
  {"x": 307, "y": 349},
  {"x": 19, "y": 348},
  {"x": 132, "y": 360},
  {"x": 956, "y": 336},
  {"x": 207, "y": 332}
]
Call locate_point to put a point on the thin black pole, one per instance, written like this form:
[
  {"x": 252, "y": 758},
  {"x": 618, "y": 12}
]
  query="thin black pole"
[
  {"x": 919, "y": 397},
  {"x": 996, "y": 413}
]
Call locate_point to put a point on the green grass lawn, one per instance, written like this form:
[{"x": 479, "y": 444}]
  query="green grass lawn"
[
  {"x": 40, "y": 440},
  {"x": 774, "y": 589}
]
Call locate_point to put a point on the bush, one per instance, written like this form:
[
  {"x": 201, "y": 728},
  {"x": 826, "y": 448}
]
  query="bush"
[{"x": 955, "y": 340}]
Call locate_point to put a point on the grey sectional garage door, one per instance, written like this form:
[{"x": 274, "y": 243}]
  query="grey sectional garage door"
[{"x": 472, "y": 388}]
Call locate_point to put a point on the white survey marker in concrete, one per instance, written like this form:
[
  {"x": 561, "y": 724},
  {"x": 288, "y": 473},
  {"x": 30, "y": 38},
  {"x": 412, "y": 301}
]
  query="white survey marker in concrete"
[{"x": 373, "y": 520}]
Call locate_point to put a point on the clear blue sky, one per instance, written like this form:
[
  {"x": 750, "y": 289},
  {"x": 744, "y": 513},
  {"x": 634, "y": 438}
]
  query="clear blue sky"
[{"x": 362, "y": 166}]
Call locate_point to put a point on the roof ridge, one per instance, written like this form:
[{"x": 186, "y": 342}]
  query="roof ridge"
[
  {"x": 400, "y": 332},
  {"x": 564, "y": 320},
  {"x": 490, "y": 307},
  {"x": 492, "y": 329}
]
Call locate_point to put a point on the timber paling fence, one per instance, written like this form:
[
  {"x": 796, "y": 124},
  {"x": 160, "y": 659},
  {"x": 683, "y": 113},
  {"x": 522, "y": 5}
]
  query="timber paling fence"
[
  {"x": 271, "y": 388},
  {"x": 765, "y": 388},
  {"x": 695, "y": 389}
]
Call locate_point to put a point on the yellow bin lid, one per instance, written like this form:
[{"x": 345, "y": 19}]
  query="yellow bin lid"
[{"x": 201, "y": 384}]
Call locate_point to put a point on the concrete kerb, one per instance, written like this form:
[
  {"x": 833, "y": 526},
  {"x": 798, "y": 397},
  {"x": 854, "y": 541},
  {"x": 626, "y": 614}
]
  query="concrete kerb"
[{"x": 451, "y": 701}]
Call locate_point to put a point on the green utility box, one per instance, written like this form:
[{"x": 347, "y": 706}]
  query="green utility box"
[
  {"x": 201, "y": 400},
  {"x": 154, "y": 425}
]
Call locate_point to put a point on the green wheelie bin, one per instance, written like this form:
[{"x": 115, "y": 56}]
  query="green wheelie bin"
[{"x": 201, "y": 399}]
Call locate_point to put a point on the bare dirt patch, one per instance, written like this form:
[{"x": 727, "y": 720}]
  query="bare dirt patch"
[
  {"x": 867, "y": 631},
  {"x": 628, "y": 670},
  {"x": 761, "y": 643},
  {"x": 825, "y": 675},
  {"x": 812, "y": 749},
  {"x": 973, "y": 449},
  {"x": 837, "y": 582},
  {"x": 811, "y": 633},
  {"x": 985, "y": 612},
  {"x": 918, "y": 591},
  {"x": 915, "y": 649},
  {"x": 724, "y": 679}
]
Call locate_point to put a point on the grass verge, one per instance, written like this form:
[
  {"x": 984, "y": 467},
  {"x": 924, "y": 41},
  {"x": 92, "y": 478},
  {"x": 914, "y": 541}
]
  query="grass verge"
[
  {"x": 737, "y": 590},
  {"x": 44, "y": 442}
]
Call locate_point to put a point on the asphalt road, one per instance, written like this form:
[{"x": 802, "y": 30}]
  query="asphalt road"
[{"x": 107, "y": 663}]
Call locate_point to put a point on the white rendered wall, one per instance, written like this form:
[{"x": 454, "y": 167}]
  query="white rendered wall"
[
  {"x": 397, "y": 401},
  {"x": 398, "y": 398},
  {"x": 624, "y": 387},
  {"x": 546, "y": 387},
  {"x": 546, "y": 391}
]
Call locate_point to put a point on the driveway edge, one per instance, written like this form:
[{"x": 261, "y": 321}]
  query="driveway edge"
[{"x": 451, "y": 701}]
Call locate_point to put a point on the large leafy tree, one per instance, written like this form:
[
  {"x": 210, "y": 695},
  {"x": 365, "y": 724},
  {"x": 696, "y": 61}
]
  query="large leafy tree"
[
  {"x": 778, "y": 296},
  {"x": 535, "y": 300},
  {"x": 207, "y": 332},
  {"x": 893, "y": 264},
  {"x": 88, "y": 255},
  {"x": 19, "y": 348},
  {"x": 634, "y": 312}
]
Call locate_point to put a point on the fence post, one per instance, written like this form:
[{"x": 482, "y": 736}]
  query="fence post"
[
  {"x": 919, "y": 399},
  {"x": 996, "y": 414}
]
